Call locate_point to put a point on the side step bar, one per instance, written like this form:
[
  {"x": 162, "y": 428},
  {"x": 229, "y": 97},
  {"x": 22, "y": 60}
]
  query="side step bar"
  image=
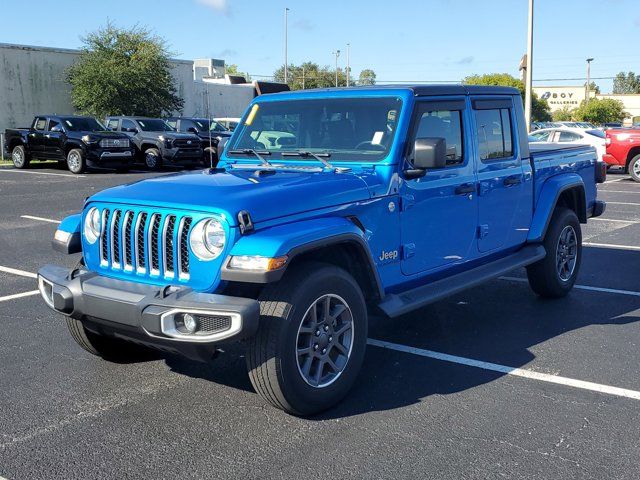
[{"x": 398, "y": 304}]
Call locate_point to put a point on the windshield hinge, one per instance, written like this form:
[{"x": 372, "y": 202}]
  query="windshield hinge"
[{"x": 244, "y": 222}]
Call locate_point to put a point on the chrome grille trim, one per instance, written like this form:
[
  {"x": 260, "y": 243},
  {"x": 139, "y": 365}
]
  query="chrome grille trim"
[
  {"x": 138, "y": 239},
  {"x": 168, "y": 230},
  {"x": 114, "y": 233},
  {"x": 183, "y": 252},
  {"x": 103, "y": 238},
  {"x": 127, "y": 249},
  {"x": 114, "y": 143},
  {"x": 152, "y": 241}
]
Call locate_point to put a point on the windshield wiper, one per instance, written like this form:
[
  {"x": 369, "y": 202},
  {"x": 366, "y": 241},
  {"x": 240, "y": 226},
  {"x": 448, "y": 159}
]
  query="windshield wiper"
[
  {"x": 247, "y": 151},
  {"x": 317, "y": 156}
]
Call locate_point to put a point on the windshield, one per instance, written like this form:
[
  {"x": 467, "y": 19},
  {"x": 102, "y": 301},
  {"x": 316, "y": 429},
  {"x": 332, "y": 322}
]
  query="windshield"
[
  {"x": 217, "y": 127},
  {"x": 154, "y": 125},
  {"x": 347, "y": 128},
  {"x": 83, "y": 124}
]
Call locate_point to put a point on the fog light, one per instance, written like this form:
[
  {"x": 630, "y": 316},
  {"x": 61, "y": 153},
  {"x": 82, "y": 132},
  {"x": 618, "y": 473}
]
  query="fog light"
[{"x": 190, "y": 323}]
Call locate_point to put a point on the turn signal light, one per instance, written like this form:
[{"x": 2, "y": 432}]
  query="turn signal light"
[{"x": 250, "y": 262}]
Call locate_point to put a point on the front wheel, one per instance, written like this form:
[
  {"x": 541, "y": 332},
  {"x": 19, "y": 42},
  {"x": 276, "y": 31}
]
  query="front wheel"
[
  {"x": 634, "y": 168},
  {"x": 555, "y": 275},
  {"x": 75, "y": 161},
  {"x": 20, "y": 157},
  {"x": 311, "y": 340},
  {"x": 152, "y": 158}
]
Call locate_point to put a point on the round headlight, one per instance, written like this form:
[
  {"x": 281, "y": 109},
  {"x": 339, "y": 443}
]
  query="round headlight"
[
  {"x": 92, "y": 224},
  {"x": 207, "y": 239}
]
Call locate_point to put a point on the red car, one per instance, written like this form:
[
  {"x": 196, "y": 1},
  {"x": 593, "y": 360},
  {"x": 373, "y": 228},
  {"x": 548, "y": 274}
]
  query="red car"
[{"x": 623, "y": 149}]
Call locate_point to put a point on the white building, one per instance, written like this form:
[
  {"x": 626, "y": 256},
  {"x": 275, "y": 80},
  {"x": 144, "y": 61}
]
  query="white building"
[{"x": 559, "y": 97}]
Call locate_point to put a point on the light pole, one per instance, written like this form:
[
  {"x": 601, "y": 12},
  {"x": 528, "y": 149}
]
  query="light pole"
[
  {"x": 286, "y": 61},
  {"x": 589, "y": 60},
  {"x": 348, "y": 67},
  {"x": 528, "y": 82},
  {"x": 337, "y": 54}
]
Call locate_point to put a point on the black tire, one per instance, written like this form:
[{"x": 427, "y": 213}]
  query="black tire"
[
  {"x": 152, "y": 158},
  {"x": 76, "y": 162},
  {"x": 272, "y": 356},
  {"x": 20, "y": 157},
  {"x": 634, "y": 168},
  {"x": 553, "y": 276},
  {"x": 111, "y": 349}
]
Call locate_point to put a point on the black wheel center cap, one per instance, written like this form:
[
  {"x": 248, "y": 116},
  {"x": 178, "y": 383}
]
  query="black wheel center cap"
[{"x": 323, "y": 341}]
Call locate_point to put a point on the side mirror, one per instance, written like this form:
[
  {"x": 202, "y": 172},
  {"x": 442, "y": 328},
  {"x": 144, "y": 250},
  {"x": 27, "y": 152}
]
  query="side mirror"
[{"x": 430, "y": 152}]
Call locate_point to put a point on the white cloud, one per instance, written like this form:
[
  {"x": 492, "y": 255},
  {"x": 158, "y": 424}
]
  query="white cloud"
[{"x": 219, "y": 5}]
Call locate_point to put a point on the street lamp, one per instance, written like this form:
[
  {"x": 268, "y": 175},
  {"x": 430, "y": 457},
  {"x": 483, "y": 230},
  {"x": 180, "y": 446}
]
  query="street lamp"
[
  {"x": 337, "y": 54},
  {"x": 286, "y": 61},
  {"x": 348, "y": 70},
  {"x": 528, "y": 92},
  {"x": 588, "y": 87}
]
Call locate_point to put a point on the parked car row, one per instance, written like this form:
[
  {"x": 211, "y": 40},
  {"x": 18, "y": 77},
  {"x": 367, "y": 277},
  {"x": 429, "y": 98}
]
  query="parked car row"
[{"x": 83, "y": 142}]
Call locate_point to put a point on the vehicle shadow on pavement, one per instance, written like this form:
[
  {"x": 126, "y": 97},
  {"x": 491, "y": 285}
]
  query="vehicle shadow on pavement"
[{"x": 497, "y": 322}]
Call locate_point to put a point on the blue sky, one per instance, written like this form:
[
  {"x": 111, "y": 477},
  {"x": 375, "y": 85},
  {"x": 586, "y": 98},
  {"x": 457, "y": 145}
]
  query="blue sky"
[{"x": 402, "y": 40}]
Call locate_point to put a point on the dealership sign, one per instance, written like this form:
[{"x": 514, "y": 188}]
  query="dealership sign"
[{"x": 560, "y": 97}]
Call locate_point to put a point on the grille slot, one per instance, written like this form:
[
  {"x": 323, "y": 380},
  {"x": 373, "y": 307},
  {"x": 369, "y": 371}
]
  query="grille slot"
[
  {"x": 149, "y": 243},
  {"x": 208, "y": 324},
  {"x": 114, "y": 143}
]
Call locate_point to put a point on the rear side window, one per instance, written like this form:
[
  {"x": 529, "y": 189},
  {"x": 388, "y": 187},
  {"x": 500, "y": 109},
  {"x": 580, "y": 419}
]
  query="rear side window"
[
  {"x": 445, "y": 124},
  {"x": 568, "y": 137},
  {"x": 495, "y": 139},
  {"x": 596, "y": 133},
  {"x": 40, "y": 123},
  {"x": 112, "y": 124}
]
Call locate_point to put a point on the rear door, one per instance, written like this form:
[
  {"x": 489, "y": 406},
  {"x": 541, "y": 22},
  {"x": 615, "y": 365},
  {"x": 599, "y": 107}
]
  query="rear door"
[
  {"x": 504, "y": 204},
  {"x": 439, "y": 212},
  {"x": 37, "y": 136}
]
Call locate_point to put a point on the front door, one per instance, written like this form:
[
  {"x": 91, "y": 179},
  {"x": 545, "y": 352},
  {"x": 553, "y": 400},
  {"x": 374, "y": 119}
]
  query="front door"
[
  {"x": 505, "y": 201},
  {"x": 37, "y": 137},
  {"x": 439, "y": 212},
  {"x": 54, "y": 141}
]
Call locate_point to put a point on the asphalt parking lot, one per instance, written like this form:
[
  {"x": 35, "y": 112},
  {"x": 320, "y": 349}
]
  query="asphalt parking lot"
[{"x": 491, "y": 383}]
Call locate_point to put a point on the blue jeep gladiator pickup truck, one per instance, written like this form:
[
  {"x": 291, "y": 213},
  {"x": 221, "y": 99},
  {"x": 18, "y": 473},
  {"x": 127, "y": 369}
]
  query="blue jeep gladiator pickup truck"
[{"x": 326, "y": 206}]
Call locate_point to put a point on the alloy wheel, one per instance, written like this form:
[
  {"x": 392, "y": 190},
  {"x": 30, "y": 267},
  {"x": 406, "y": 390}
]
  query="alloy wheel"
[{"x": 566, "y": 253}]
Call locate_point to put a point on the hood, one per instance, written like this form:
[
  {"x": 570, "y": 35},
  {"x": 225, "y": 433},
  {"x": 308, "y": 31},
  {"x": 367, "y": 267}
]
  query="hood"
[{"x": 264, "y": 195}]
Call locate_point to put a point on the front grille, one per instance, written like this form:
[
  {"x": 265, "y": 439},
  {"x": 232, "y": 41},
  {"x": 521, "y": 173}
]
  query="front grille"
[
  {"x": 114, "y": 143},
  {"x": 185, "y": 143},
  {"x": 152, "y": 243},
  {"x": 212, "y": 324}
]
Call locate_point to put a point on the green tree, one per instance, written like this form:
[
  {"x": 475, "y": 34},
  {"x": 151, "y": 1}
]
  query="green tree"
[
  {"x": 233, "y": 70},
  {"x": 367, "y": 77},
  {"x": 311, "y": 75},
  {"x": 123, "y": 72},
  {"x": 565, "y": 114},
  {"x": 626, "y": 83},
  {"x": 593, "y": 87},
  {"x": 540, "y": 111},
  {"x": 600, "y": 110}
]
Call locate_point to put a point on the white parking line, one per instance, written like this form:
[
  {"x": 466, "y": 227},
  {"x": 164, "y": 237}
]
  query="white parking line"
[
  {"x": 611, "y": 245},
  {"x": 41, "y": 219},
  {"x": 15, "y": 271},
  {"x": 623, "y": 203},
  {"x": 600, "y": 219},
  {"x": 616, "y": 180},
  {"x": 617, "y": 191},
  {"x": 41, "y": 173},
  {"x": 517, "y": 372},
  {"x": 19, "y": 295},
  {"x": 583, "y": 287}
]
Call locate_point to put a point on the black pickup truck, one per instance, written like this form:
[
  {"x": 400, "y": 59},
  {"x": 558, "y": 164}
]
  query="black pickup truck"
[
  {"x": 80, "y": 141},
  {"x": 210, "y": 132},
  {"x": 157, "y": 142}
]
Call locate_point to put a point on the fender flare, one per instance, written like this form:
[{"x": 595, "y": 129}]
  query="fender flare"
[
  {"x": 551, "y": 191},
  {"x": 68, "y": 241},
  {"x": 296, "y": 239}
]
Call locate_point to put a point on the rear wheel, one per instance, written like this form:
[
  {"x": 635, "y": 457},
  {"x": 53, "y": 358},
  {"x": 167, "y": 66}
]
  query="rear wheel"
[
  {"x": 75, "y": 161},
  {"x": 634, "y": 168},
  {"x": 152, "y": 158},
  {"x": 20, "y": 157},
  {"x": 109, "y": 348},
  {"x": 311, "y": 340},
  {"x": 555, "y": 275}
]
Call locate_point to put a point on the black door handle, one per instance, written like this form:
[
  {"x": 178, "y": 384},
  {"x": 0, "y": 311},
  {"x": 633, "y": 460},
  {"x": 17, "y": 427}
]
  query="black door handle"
[
  {"x": 514, "y": 180},
  {"x": 465, "y": 189}
]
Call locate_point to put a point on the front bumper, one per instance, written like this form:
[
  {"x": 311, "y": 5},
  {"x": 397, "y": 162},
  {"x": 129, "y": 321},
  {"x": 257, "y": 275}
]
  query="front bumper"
[
  {"x": 104, "y": 157},
  {"x": 611, "y": 160},
  {"x": 182, "y": 155},
  {"x": 145, "y": 313}
]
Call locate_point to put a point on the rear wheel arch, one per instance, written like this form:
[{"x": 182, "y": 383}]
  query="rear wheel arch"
[
  {"x": 573, "y": 198},
  {"x": 630, "y": 156}
]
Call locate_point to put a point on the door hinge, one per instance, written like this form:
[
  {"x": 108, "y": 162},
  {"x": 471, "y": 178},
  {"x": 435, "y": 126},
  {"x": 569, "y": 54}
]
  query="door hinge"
[
  {"x": 483, "y": 231},
  {"x": 406, "y": 202},
  {"x": 408, "y": 250}
]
